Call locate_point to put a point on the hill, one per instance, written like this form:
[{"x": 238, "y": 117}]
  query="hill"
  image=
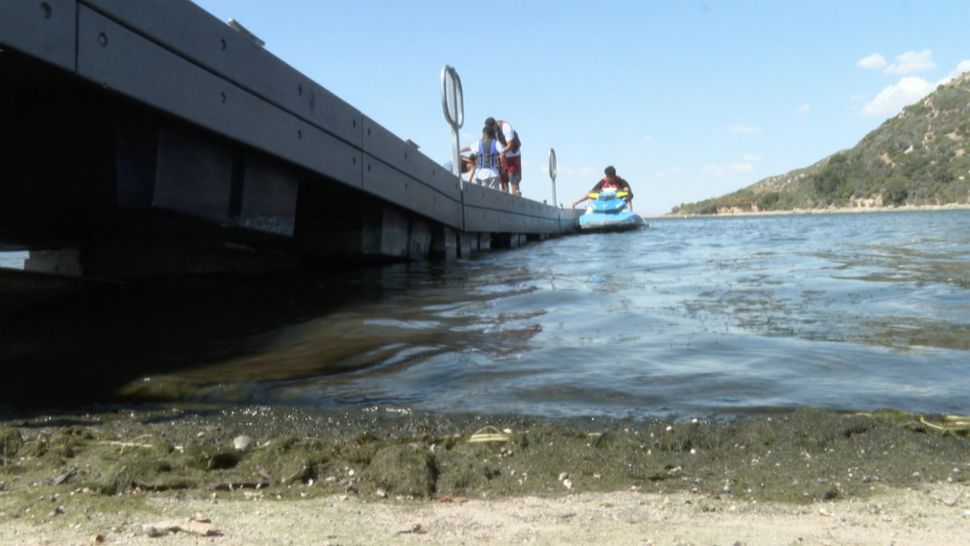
[{"x": 919, "y": 157}]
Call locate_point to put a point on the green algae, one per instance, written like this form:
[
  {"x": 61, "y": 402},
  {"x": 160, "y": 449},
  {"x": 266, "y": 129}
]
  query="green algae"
[
  {"x": 10, "y": 443},
  {"x": 800, "y": 456},
  {"x": 408, "y": 469}
]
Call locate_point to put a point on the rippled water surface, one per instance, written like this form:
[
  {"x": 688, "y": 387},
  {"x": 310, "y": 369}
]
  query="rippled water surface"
[
  {"x": 688, "y": 317},
  {"x": 13, "y": 260}
]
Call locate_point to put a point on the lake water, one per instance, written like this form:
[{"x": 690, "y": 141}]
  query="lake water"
[
  {"x": 690, "y": 317},
  {"x": 12, "y": 260}
]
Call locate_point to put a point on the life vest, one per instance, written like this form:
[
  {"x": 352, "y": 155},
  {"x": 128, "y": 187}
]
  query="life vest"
[
  {"x": 608, "y": 185},
  {"x": 488, "y": 160}
]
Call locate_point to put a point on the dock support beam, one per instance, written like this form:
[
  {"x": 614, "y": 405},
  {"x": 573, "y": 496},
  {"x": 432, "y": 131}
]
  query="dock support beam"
[
  {"x": 142, "y": 261},
  {"x": 444, "y": 243},
  {"x": 385, "y": 233},
  {"x": 468, "y": 244},
  {"x": 419, "y": 240},
  {"x": 484, "y": 241}
]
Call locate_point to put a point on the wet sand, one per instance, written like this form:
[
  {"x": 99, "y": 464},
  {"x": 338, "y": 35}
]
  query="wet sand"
[
  {"x": 391, "y": 476},
  {"x": 895, "y": 517}
]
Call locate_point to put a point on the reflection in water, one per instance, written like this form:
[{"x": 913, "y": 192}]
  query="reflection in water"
[
  {"x": 698, "y": 316},
  {"x": 12, "y": 260}
]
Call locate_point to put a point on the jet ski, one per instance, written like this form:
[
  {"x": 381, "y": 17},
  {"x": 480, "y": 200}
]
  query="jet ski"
[{"x": 609, "y": 211}]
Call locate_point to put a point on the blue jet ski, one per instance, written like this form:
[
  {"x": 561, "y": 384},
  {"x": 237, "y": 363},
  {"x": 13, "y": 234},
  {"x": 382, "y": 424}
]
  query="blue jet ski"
[{"x": 609, "y": 212}]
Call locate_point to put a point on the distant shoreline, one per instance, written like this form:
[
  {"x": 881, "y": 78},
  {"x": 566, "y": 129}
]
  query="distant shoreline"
[{"x": 830, "y": 210}]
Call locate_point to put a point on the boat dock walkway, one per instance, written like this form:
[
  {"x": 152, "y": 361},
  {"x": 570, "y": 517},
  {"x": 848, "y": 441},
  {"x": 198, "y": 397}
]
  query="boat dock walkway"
[{"x": 150, "y": 138}]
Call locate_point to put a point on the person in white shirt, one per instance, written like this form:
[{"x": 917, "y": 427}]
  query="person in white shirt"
[{"x": 510, "y": 154}]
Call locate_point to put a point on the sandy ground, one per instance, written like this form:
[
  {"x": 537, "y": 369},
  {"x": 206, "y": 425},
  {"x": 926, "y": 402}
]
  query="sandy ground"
[{"x": 936, "y": 515}]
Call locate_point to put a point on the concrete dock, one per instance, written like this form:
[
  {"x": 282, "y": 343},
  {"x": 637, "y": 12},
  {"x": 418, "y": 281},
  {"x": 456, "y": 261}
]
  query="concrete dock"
[{"x": 150, "y": 138}]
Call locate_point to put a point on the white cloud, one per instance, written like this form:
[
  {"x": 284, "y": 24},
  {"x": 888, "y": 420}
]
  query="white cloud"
[
  {"x": 560, "y": 169},
  {"x": 723, "y": 169},
  {"x": 743, "y": 129},
  {"x": 872, "y": 62},
  {"x": 574, "y": 171},
  {"x": 912, "y": 61},
  {"x": 805, "y": 108},
  {"x": 893, "y": 98},
  {"x": 964, "y": 66},
  {"x": 672, "y": 171},
  {"x": 646, "y": 139},
  {"x": 746, "y": 165}
]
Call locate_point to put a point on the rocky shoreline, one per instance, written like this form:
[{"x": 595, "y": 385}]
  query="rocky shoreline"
[
  {"x": 111, "y": 474},
  {"x": 829, "y": 210}
]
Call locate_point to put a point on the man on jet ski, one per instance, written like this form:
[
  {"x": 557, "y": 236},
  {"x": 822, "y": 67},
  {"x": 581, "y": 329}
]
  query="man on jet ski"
[{"x": 610, "y": 182}]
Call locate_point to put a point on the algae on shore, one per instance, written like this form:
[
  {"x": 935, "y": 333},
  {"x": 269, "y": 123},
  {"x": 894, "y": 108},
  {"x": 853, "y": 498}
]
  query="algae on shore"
[{"x": 90, "y": 463}]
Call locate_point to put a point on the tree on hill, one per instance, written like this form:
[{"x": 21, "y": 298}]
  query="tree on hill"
[{"x": 919, "y": 157}]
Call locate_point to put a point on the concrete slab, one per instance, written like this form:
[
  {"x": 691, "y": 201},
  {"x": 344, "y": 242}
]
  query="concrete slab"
[{"x": 45, "y": 30}]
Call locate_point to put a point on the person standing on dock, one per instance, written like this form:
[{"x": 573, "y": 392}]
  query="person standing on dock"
[
  {"x": 467, "y": 166},
  {"x": 510, "y": 154},
  {"x": 468, "y": 163},
  {"x": 610, "y": 182},
  {"x": 487, "y": 161}
]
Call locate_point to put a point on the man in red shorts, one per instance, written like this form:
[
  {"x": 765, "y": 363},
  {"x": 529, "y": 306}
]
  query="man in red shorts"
[{"x": 510, "y": 155}]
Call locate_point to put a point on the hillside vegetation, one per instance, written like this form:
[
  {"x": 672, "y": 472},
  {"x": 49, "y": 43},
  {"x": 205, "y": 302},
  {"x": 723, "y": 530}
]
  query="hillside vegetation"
[{"x": 919, "y": 157}]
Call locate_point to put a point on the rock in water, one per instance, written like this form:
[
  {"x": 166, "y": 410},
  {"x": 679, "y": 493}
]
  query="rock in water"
[{"x": 243, "y": 442}]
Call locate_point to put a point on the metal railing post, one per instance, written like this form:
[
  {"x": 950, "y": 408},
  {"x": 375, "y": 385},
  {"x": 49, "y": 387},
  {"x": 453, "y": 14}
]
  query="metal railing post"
[
  {"x": 552, "y": 175},
  {"x": 453, "y": 107}
]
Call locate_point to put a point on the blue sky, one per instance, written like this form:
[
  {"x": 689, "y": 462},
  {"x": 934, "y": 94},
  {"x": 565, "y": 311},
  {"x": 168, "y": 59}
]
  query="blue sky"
[{"x": 688, "y": 99}]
